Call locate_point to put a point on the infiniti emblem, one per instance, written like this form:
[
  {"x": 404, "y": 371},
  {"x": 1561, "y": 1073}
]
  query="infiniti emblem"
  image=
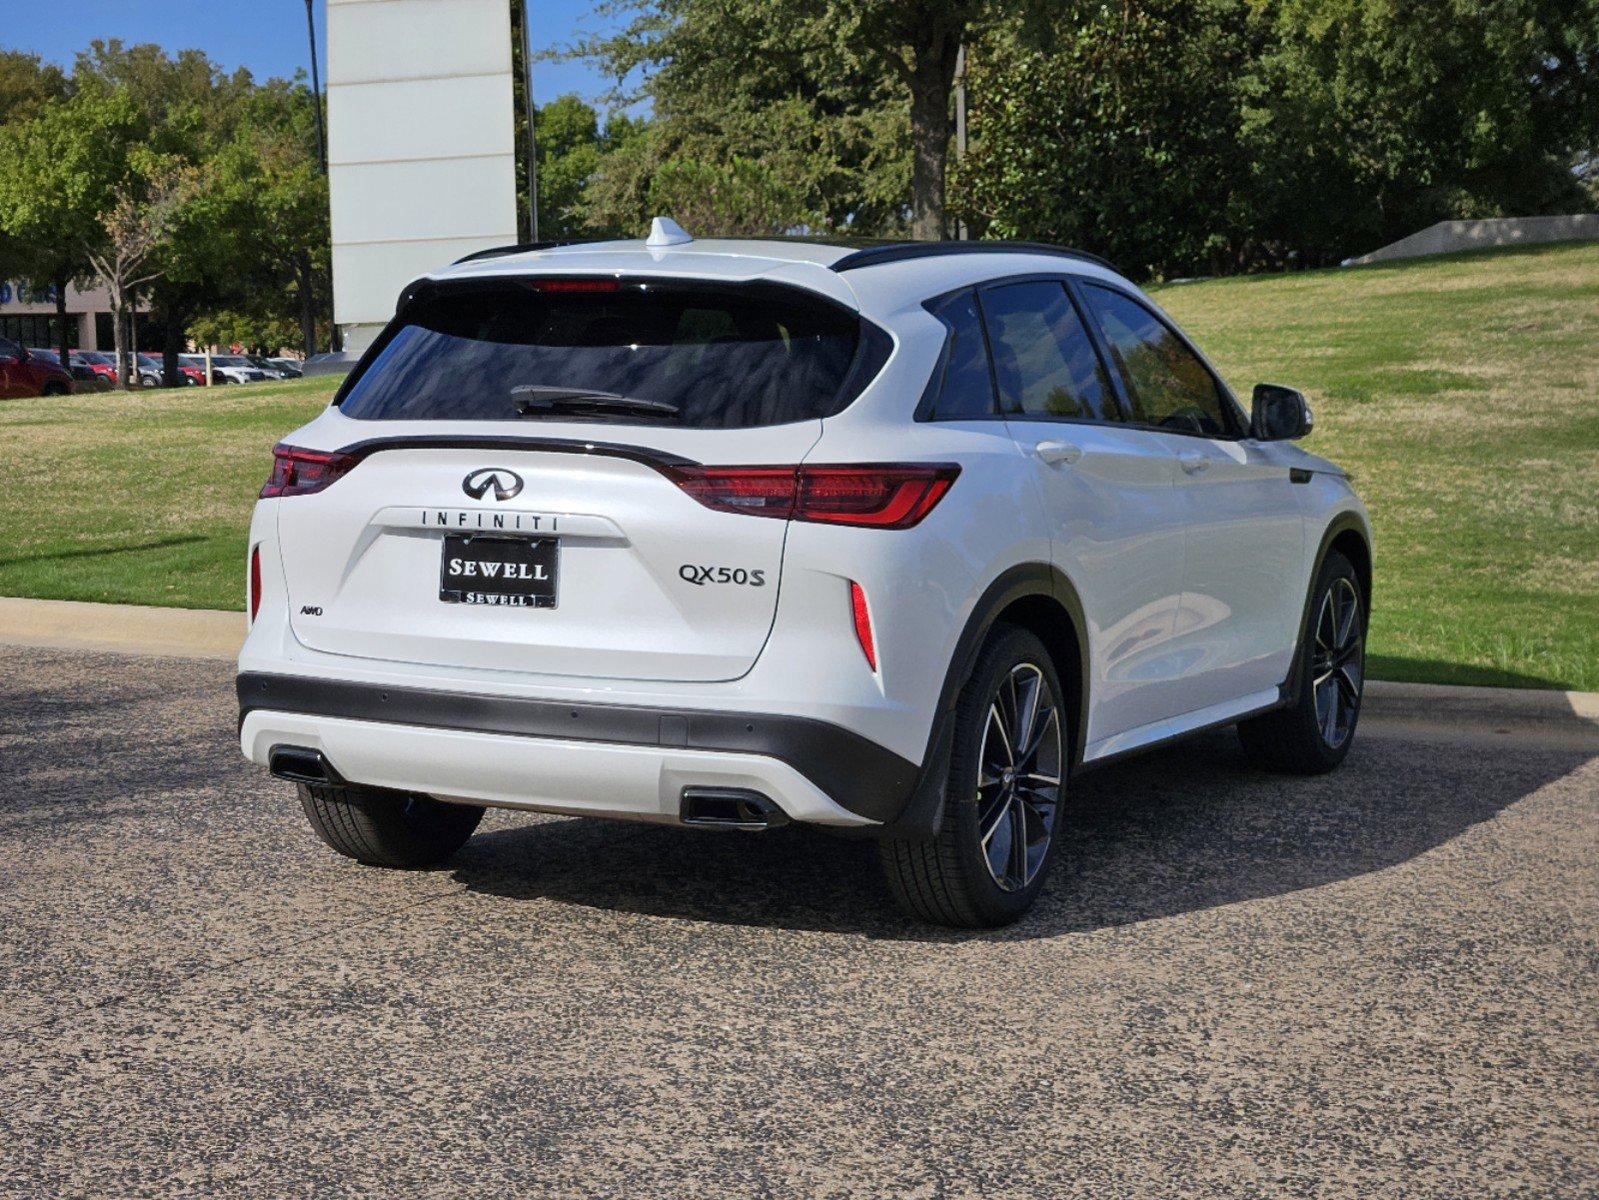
[{"x": 505, "y": 483}]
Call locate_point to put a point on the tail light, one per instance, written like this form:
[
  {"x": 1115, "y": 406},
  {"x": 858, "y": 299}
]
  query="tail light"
[
  {"x": 255, "y": 581},
  {"x": 297, "y": 472},
  {"x": 874, "y": 495},
  {"x": 863, "y": 623}
]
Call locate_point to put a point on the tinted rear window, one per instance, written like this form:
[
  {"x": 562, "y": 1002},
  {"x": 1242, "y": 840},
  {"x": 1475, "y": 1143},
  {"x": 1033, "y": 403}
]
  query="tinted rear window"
[{"x": 724, "y": 358}]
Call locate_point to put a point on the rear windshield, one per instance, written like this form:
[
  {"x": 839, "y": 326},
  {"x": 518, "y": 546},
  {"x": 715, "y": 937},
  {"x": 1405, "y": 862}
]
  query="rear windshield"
[{"x": 695, "y": 357}]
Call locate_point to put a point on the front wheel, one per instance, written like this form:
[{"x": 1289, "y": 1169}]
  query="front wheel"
[
  {"x": 1312, "y": 736},
  {"x": 992, "y": 853},
  {"x": 387, "y": 829}
]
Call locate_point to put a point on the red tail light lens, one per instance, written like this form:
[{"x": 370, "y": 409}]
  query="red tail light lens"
[
  {"x": 885, "y": 497},
  {"x": 297, "y": 472},
  {"x": 875, "y": 495},
  {"x": 255, "y": 581},
  {"x": 863, "y": 623},
  {"x": 754, "y": 491}
]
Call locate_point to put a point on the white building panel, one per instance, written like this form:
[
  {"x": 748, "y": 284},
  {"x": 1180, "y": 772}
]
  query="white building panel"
[
  {"x": 423, "y": 118},
  {"x": 421, "y": 145},
  {"x": 374, "y": 40}
]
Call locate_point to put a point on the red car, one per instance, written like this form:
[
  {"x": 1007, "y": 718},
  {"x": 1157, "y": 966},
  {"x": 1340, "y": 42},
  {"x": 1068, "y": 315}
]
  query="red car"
[
  {"x": 21, "y": 374},
  {"x": 99, "y": 362}
]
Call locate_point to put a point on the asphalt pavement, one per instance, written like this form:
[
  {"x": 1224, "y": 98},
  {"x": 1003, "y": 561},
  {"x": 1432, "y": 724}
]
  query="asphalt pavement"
[{"x": 1382, "y": 982}]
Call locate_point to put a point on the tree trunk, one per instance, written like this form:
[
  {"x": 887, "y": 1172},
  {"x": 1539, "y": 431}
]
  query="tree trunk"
[
  {"x": 303, "y": 280},
  {"x": 61, "y": 323},
  {"x": 932, "y": 81},
  {"x": 171, "y": 346},
  {"x": 119, "y": 336}
]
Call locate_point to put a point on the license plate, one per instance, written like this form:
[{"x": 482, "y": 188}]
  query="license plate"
[{"x": 510, "y": 572}]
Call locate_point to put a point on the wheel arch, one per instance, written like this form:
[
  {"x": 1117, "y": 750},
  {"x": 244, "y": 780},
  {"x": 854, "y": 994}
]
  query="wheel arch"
[
  {"x": 1034, "y": 596},
  {"x": 1348, "y": 534}
]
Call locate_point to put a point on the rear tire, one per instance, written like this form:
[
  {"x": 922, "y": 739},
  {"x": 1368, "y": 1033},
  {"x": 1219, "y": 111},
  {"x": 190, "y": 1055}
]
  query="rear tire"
[
  {"x": 53, "y": 389},
  {"x": 1313, "y": 735},
  {"x": 997, "y": 840},
  {"x": 387, "y": 829}
]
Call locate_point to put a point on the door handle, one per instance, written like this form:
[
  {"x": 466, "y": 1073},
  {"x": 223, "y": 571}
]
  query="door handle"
[
  {"x": 1193, "y": 462},
  {"x": 1058, "y": 452}
]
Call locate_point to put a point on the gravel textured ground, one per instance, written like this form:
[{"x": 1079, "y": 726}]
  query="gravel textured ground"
[{"x": 1382, "y": 983}]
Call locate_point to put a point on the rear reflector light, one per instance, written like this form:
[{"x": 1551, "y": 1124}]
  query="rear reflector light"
[
  {"x": 297, "y": 472},
  {"x": 875, "y": 495},
  {"x": 576, "y": 285},
  {"x": 255, "y": 581},
  {"x": 863, "y": 623}
]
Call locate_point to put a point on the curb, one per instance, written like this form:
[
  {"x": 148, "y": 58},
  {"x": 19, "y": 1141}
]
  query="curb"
[
  {"x": 206, "y": 633},
  {"x": 121, "y": 628},
  {"x": 1442, "y": 703}
]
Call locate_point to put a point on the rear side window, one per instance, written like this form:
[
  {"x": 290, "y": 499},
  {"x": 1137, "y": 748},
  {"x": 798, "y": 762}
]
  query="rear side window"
[
  {"x": 1166, "y": 383},
  {"x": 967, "y": 389},
  {"x": 701, "y": 358},
  {"x": 1044, "y": 362}
]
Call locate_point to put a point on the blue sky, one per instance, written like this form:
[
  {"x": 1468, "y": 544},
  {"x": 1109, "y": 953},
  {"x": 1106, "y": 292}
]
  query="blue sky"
[{"x": 268, "y": 36}]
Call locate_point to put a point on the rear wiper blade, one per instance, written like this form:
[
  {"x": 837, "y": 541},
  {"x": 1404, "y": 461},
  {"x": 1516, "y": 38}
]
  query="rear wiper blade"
[{"x": 532, "y": 399}]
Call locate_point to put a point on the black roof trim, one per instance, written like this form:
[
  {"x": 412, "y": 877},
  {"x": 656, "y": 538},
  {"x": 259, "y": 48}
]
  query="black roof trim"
[
  {"x": 525, "y": 248},
  {"x": 902, "y": 251}
]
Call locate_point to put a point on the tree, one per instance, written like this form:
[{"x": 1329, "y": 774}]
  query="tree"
[
  {"x": 1182, "y": 136},
  {"x": 133, "y": 227},
  {"x": 572, "y": 146},
  {"x": 1122, "y": 138},
  {"x": 27, "y": 84},
  {"x": 63, "y": 166},
  {"x": 262, "y": 208},
  {"x": 834, "y": 74}
]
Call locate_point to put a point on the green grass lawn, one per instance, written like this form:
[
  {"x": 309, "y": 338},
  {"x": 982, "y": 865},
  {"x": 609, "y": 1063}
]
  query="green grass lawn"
[{"x": 1463, "y": 393}]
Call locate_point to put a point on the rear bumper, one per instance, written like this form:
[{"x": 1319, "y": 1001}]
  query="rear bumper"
[{"x": 596, "y": 759}]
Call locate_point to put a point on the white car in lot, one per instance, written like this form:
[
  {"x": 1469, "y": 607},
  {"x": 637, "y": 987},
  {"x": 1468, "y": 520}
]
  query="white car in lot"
[{"x": 896, "y": 540}]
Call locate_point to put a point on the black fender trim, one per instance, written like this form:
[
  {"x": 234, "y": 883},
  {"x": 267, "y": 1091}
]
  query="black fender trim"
[
  {"x": 1342, "y": 523},
  {"x": 857, "y": 773},
  {"x": 924, "y": 812}
]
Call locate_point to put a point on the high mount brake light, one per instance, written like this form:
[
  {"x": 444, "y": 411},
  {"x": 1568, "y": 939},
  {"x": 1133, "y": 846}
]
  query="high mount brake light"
[
  {"x": 576, "y": 285},
  {"x": 297, "y": 472},
  {"x": 872, "y": 495}
]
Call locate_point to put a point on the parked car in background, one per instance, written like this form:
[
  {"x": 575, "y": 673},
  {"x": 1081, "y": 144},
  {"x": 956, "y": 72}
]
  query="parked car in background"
[
  {"x": 102, "y": 364},
  {"x": 291, "y": 367},
  {"x": 24, "y": 374},
  {"x": 83, "y": 379},
  {"x": 235, "y": 368},
  {"x": 266, "y": 365}
]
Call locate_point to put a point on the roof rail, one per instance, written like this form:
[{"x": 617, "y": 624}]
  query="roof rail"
[
  {"x": 524, "y": 248},
  {"x": 874, "y": 256}
]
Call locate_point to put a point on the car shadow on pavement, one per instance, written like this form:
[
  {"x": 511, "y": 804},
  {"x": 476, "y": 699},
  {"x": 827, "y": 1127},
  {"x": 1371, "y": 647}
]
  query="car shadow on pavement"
[{"x": 1184, "y": 829}]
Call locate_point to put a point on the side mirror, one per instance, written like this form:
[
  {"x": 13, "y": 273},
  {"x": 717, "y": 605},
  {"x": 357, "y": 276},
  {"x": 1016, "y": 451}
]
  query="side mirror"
[{"x": 1280, "y": 414}]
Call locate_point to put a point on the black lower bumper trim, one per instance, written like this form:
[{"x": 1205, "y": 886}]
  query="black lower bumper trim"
[{"x": 857, "y": 773}]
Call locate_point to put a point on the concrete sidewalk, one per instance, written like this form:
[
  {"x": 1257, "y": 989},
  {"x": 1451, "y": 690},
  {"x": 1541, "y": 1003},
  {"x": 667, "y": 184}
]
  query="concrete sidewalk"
[
  {"x": 121, "y": 628},
  {"x": 201, "y": 633}
]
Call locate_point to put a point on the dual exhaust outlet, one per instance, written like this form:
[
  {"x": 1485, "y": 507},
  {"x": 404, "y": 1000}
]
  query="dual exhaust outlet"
[{"x": 701, "y": 807}]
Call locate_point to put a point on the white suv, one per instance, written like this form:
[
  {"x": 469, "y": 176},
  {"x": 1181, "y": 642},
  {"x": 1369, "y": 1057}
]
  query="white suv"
[{"x": 894, "y": 540}]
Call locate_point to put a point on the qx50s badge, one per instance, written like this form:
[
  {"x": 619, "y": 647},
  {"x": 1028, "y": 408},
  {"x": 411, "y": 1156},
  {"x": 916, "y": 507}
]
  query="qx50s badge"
[
  {"x": 505, "y": 483},
  {"x": 699, "y": 576}
]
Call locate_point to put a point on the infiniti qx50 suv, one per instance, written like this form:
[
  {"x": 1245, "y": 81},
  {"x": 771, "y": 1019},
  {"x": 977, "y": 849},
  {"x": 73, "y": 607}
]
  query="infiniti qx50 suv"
[{"x": 896, "y": 540}]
